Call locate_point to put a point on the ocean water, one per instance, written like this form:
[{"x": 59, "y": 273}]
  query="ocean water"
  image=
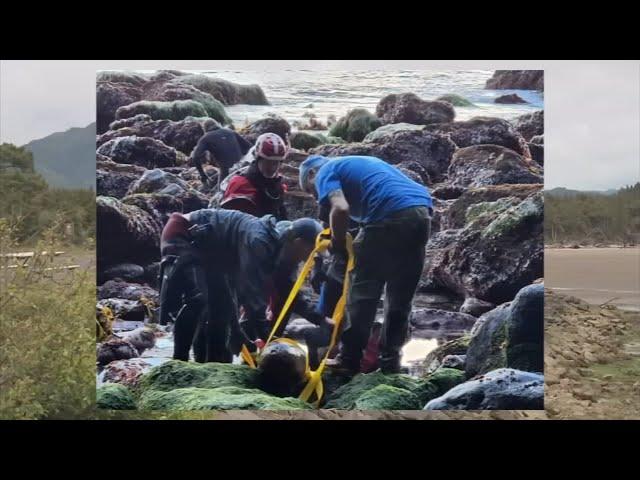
[{"x": 294, "y": 94}]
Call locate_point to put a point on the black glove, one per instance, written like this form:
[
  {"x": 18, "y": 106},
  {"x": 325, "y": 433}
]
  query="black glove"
[
  {"x": 318, "y": 277},
  {"x": 338, "y": 265}
]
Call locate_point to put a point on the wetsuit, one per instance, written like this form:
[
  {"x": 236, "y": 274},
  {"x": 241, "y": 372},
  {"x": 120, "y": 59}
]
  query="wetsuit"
[{"x": 225, "y": 146}]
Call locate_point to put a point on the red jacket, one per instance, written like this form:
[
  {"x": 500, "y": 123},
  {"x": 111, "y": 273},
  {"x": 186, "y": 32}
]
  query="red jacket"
[{"x": 242, "y": 195}]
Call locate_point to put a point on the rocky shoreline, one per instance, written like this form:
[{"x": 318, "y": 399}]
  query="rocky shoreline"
[{"x": 486, "y": 250}]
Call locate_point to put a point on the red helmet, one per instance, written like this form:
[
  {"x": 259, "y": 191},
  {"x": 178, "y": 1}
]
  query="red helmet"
[{"x": 270, "y": 146}]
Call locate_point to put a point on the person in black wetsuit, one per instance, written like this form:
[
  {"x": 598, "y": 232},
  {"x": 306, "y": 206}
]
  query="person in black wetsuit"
[{"x": 225, "y": 148}]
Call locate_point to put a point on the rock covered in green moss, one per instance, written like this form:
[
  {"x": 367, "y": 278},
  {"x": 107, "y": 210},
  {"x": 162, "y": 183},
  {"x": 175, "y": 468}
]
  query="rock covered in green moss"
[
  {"x": 221, "y": 398},
  {"x": 175, "y": 110},
  {"x": 355, "y": 125},
  {"x": 176, "y": 374},
  {"x": 387, "y": 397},
  {"x": 113, "y": 396},
  {"x": 455, "y": 100},
  {"x": 433, "y": 360}
]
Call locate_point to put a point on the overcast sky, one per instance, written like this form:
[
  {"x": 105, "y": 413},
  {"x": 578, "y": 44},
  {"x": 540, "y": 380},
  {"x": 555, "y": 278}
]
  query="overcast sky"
[{"x": 592, "y": 108}]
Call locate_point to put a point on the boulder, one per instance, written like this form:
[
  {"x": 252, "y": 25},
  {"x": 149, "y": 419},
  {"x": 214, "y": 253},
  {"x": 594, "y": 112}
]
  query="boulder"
[
  {"x": 118, "y": 76},
  {"x": 127, "y": 291},
  {"x": 537, "y": 140},
  {"x": 109, "y": 97},
  {"x": 271, "y": 124},
  {"x": 482, "y": 131},
  {"x": 126, "y": 372},
  {"x": 385, "y": 132},
  {"x": 228, "y": 93},
  {"x": 306, "y": 141},
  {"x": 126, "y": 233},
  {"x": 415, "y": 172},
  {"x": 456, "y": 347},
  {"x": 502, "y": 389},
  {"x": 446, "y": 191},
  {"x": 113, "y": 396},
  {"x": 512, "y": 98},
  {"x": 457, "y": 214},
  {"x": 122, "y": 309},
  {"x": 431, "y": 322},
  {"x": 454, "y": 361},
  {"x": 130, "y": 122},
  {"x": 516, "y": 80},
  {"x": 355, "y": 125},
  {"x": 141, "y": 151},
  {"x": 178, "y": 91},
  {"x": 525, "y": 330},
  {"x": 129, "y": 272},
  {"x": 114, "y": 349},
  {"x": 455, "y": 100},
  {"x": 486, "y": 350},
  {"x": 387, "y": 397},
  {"x": 475, "y": 306},
  {"x": 432, "y": 151},
  {"x": 409, "y": 108},
  {"x": 176, "y": 110},
  {"x": 482, "y": 165},
  {"x": 530, "y": 125},
  {"x": 493, "y": 257},
  {"x": 153, "y": 181},
  {"x": 537, "y": 153}
]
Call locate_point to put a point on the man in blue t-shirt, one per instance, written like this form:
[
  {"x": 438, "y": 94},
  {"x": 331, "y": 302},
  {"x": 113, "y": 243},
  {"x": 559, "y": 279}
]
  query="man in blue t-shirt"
[{"x": 395, "y": 216}]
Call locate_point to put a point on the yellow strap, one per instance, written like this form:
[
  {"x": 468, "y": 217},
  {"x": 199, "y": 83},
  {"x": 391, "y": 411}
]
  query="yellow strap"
[{"x": 246, "y": 356}]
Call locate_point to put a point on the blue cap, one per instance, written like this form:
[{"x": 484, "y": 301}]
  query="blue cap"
[
  {"x": 307, "y": 229},
  {"x": 313, "y": 162}
]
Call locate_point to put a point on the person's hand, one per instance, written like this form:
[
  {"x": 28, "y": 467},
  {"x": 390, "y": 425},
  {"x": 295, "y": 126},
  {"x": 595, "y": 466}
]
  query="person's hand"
[
  {"x": 259, "y": 343},
  {"x": 329, "y": 322}
]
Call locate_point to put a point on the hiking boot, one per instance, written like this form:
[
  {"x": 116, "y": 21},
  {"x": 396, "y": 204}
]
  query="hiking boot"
[{"x": 342, "y": 367}]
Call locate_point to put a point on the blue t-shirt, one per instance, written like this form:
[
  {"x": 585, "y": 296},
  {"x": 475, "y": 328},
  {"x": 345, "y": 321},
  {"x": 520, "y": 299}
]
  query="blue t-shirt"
[{"x": 373, "y": 188}]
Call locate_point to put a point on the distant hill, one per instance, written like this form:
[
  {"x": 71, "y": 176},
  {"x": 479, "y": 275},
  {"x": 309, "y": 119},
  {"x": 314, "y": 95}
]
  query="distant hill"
[
  {"x": 561, "y": 192},
  {"x": 67, "y": 159}
]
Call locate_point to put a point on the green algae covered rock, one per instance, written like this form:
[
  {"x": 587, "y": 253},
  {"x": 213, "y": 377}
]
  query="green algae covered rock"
[{"x": 113, "y": 396}]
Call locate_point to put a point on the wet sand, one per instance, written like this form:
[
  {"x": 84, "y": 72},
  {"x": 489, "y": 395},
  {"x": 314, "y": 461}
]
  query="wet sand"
[{"x": 596, "y": 275}]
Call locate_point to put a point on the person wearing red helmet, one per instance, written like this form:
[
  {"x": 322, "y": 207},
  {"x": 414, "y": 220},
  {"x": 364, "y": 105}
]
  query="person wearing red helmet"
[{"x": 259, "y": 190}]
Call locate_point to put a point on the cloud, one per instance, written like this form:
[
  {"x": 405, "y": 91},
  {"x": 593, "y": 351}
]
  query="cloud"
[{"x": 592, "y": 109}]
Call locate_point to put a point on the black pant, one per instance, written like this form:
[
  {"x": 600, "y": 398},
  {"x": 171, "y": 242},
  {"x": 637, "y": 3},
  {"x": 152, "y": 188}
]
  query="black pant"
[{"x": 388, "y": 254}]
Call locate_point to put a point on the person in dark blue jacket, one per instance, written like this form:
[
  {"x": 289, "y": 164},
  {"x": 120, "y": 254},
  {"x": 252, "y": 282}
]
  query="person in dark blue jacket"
[
  {"x": 209, "y": 256},
  {"x": 394, "y": 214}
]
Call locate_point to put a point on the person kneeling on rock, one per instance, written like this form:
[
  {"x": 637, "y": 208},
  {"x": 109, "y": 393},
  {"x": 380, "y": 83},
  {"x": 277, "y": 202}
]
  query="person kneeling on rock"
[{"x": 395, "y": 216}]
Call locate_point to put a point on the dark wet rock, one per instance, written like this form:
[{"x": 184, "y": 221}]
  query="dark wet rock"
[
  {"x": 386, "y": 132},
  {"x": 220, "y": 398},
  {"x": 129, "y": 272},
  {"x": 127, "y": 290},
  {"x": 530, "y": 124},
  {"x": 151, "y": 273},
  {"x": 432, "y": 151},
  {"x": 112, "y": 396},
  {"x": 415, "y": 172},
  {"x": 141, "y": 151},
  {"x": 305, "y": 141},
  {"x": 455, "y": 100},
  {"x": 272, "y": 124},
  {"x": 502, "y": 389},
  {"x": 228, "y": 93},
  {"x": 493, "y": 257},
  {"x": 300, "y": 204},
  {"x": 297, "y": 327},
  {"x": 475, "y": 306},
  {"x": 429, "y": 322},
  {"x": 142, "y": 338},
  {"x": 409, "y": 108},
  {"x": 434, "y": 359},
  {"x": 355, "y": 125},
  {"x": 537, "y": 153},
  {"x": 109, "y": 97},
  {"x": 130, "y": 121},
  {"x": 454, "y": 361},
  {"x": 115, "y": 349},
  {"x": 525, "y": 330},
  {"x": 482, "y": 131},
  {"x": 176, "y": 374},
  {"x": 482, "y": 165},
  {"x": 122, "y": 309},
  {"x": 457, "y": 214},
  {"x": 444, "y": 378},
  {"x": 281, "y": 369},
  {"x": 155, "y": 180},
  {"x": 126, "y": 372},
  {"x": 510, "y": 99},
  {"x": 516, "y": 80},
  {"x": 182, "y": 135},
  {"x": 126, "y": 232},
  {"x": 159, "y": 206},
  {"x": 447, "y": 191},
  {"x": 113, "y": 183},
  {"x": 486, "y": 350}
]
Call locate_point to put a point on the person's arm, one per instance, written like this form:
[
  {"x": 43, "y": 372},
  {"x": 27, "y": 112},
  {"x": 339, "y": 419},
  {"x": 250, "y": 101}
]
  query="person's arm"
[
  {"x": 198, "y": 154},
  {"x": 255, "y": 260},
  {"x": 338, "y": 219},
  {"x": 245, "y": 146}
]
